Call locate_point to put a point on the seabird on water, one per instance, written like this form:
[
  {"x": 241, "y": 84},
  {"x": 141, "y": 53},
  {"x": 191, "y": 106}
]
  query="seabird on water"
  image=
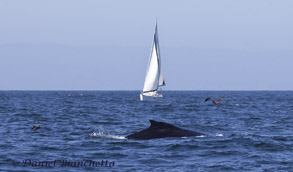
[{"x": 35, "y": 127}]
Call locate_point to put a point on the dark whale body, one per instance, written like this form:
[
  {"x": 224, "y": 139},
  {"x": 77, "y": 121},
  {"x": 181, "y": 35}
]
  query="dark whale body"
[{"x": 162, "y": 130}]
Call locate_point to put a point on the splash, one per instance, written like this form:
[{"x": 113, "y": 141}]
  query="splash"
[
  {"x": 219, "y": 135},
  {"x": 101, "y": 134},
  {"x": 202, "y": 136}
]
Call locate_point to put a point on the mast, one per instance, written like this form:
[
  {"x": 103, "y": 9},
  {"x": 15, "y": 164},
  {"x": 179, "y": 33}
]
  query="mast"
[{"x": 156, "y": 38}]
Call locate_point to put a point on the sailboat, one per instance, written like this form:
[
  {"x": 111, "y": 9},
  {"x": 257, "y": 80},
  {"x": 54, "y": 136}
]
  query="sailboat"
[{"x": 154, "y": 77}]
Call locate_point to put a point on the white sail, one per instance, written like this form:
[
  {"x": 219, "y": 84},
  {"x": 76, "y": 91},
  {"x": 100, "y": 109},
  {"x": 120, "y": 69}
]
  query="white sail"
[
  {"x": 151, "y": 82},
  {"x": 154, "y": 76},
  {"x": 156, "y": 40}
]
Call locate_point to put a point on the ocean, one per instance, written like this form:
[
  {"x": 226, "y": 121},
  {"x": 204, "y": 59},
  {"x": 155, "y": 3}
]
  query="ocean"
[{"x": 85, "y": 131}]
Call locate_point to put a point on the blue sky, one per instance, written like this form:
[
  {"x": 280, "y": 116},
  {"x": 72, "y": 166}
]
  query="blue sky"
[{"x": 105, "y": 44}]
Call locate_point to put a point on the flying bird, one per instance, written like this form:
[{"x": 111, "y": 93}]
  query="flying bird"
[{"x": 215, "y": 101}]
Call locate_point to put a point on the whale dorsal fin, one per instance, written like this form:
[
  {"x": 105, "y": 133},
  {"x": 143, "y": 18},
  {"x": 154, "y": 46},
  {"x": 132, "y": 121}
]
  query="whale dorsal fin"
[{"x": 155, "y": 124}]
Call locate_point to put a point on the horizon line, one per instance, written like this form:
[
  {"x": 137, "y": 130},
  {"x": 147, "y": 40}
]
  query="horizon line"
[{"x": 139, "y": 90}]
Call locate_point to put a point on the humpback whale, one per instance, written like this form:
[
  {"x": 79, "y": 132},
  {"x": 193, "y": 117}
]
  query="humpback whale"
[{"x": 162, "y": 130}]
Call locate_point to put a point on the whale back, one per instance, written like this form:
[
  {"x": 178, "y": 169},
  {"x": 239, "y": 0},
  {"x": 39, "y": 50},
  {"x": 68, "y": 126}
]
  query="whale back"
[
  {"x": 162, "y": 130},
  {"x": 161, "y": 125}
]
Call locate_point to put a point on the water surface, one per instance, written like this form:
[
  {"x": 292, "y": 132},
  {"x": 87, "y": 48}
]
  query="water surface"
[{"x": 252, "y": 131}]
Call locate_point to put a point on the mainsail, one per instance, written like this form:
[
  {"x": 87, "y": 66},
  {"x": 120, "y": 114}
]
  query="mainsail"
[{"x": 154, "y": 76}]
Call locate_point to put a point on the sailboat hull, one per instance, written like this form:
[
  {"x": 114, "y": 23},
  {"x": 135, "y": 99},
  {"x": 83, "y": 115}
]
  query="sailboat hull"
[{"x": 150, "y": 96}]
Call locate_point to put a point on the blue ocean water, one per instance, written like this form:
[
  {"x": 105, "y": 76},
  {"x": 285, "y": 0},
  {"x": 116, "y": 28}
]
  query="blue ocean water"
[{"x": 85, "y": 131}]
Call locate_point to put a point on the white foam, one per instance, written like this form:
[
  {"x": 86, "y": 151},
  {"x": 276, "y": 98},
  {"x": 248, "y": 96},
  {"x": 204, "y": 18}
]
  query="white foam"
[
  {"x": 219, "y": 135},
  {"x": 114, "y": 137},
  {"x": 202, "y": 136},
  {"x": 107, "y": 136}
]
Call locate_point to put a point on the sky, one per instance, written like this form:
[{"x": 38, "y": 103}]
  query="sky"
[{"x": 105, "y": 44}]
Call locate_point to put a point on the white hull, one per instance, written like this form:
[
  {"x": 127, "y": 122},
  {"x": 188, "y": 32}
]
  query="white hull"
[{"x": 150, "y": 96}]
